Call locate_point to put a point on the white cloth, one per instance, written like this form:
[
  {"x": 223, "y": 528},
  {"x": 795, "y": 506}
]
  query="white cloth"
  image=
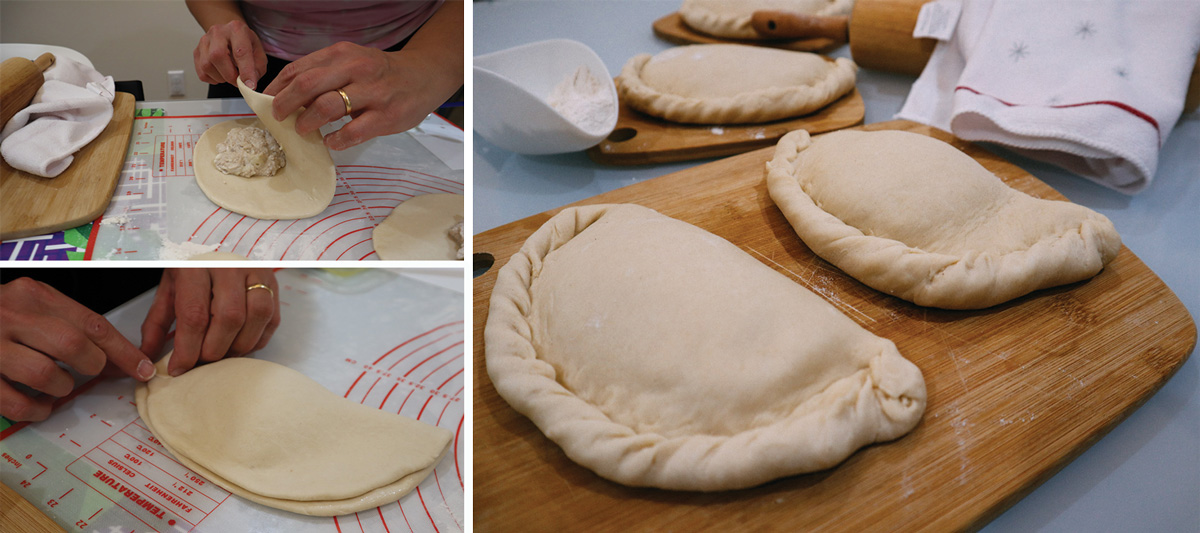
[
  {"x": 71, "y": 109},
  {"x": 1091, "y": 86}
]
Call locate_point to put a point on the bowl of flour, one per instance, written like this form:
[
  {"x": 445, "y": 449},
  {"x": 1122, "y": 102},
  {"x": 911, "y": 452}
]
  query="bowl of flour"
[{"x": 547, "y": 97}]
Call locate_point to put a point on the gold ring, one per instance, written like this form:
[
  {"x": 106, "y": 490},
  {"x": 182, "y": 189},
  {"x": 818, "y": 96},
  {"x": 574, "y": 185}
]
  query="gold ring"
[
  {"x": 345, "y": 100},
  {"x": 261, "y": 286}
]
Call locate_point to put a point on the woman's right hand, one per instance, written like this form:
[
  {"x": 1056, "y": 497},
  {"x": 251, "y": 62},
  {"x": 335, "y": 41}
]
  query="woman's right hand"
[{"x": 228, "y": 51}]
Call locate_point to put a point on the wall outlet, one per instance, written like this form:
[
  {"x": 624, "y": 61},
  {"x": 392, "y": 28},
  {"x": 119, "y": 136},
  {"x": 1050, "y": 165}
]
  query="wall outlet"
[{"x": 175, "y": 83}]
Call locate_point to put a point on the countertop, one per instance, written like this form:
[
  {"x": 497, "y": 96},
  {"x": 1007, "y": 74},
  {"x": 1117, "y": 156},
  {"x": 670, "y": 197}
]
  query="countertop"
[{"x": 1143, "y": 476}]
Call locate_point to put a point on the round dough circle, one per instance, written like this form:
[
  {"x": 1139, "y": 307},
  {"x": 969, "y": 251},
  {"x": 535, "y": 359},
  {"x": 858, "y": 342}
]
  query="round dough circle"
[
  {"x": 731, "y": 18},
  {"x": 417, "y": 229},
  {"x": 732, "y": 83}
]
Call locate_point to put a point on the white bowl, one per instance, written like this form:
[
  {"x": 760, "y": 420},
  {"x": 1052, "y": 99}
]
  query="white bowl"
[{"x": 511, "y": 87}]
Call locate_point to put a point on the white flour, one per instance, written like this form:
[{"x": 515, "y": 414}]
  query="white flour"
[
  {"x": 179, "y": 251},
  {"x": 584, "y": 101}
]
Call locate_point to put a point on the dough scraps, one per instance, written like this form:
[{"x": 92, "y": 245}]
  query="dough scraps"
[
  {"x": 658, "y": 354},
  {"x": 911, "y": 216},
  {"x": 418, "y": 229},
  {"x": 732, "y": 83},
  {"x": 301, "y": 189},
  {"x": 247, "y": 425},
  {"x": 730, "y": 19}
]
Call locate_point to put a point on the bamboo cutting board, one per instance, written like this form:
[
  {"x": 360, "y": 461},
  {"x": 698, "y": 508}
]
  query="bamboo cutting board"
[
  {"x": 640, "y": 139},
  {"x": 672, "y": 29},
  {"x": 1015, "y": 392},
  {"x": 33, "y": 205}
]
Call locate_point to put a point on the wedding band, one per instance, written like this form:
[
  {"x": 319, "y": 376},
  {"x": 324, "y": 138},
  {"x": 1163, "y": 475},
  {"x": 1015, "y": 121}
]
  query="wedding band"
[
  {"x": 345, "y": 100},
  {"x": 260, "y": 286}
]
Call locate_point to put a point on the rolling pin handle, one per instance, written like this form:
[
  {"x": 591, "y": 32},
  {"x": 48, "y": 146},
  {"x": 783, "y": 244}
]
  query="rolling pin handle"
[{"x": 44, "y": 61}]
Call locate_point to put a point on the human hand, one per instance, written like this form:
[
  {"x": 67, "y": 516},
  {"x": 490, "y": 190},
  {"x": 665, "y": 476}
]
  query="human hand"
[
  {"x": 41, "y": 327},
  {"x": 215, "y": 312},
  {"x": 227, "y": 51},
  {"x": 390, "y": 92}
]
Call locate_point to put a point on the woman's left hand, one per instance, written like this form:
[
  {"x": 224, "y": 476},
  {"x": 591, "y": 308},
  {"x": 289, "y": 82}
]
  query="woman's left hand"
[{"x": 389, "y": 92}]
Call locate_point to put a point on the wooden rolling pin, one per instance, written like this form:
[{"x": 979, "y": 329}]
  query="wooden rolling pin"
[
  {"x": 788, "y": 25},
  {"x": 20, "y": 80},
  {"x": 881, "y": 39}
]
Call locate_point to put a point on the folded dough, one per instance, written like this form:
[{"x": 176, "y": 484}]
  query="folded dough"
[
  {"x": 732, "y": 83},
  {"x": 731, "y": 18},
  {"x": 301, "y": 189},
  {"x": 273, "y": 436},
  {"x": 913, "y": 217},
  {"x": 419, "y": 229},
  {"x": 658, "y": 354}
]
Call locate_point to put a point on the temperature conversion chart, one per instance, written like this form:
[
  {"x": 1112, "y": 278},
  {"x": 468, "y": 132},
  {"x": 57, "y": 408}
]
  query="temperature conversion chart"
[
  {"x": 374, "y": 336},
  {"x": 158, "y": 211}
]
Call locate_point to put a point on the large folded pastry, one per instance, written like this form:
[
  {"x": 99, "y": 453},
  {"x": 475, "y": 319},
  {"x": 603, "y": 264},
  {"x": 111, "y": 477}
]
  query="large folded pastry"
[
  {"x": 913, "y": 217},
  {"x": 732, "y": 83},
  {"x": 658, "y": 354},
  {"x": 731, "y": 18},
  {"x": 271, "y": 435}
]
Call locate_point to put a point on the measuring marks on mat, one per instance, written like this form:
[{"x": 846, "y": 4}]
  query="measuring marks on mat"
[{"x": 158, "y": 211}]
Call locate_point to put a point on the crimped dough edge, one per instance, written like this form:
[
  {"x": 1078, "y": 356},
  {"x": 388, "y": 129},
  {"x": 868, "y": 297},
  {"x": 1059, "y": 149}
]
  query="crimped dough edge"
[
  {"x": 728, "y": 26},
  {"x": 868, "y": 405},
  {"x": 934, "y": 279},
  {"x": 763, "y": 105}
]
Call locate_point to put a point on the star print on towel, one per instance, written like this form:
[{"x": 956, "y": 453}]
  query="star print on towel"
[{"x": 1093, "y": 87}]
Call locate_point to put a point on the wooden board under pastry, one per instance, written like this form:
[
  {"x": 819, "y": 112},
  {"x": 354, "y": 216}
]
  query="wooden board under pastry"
[
  {"x": 33, "y": 205},
  {"x": 1015, "y": 392},
  {"x": 673, "y": 29},
  {"x": 640, "y": 139}
]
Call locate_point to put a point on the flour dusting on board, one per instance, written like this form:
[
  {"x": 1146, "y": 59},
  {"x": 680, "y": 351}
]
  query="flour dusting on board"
[{"x": 180, "y": 251}]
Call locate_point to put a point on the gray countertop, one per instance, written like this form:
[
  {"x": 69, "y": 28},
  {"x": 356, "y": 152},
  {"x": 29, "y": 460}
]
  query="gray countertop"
[{"x": 1143, "y": 476}]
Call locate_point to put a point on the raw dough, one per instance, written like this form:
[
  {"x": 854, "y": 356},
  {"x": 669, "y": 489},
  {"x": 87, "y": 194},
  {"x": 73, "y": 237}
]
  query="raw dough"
[
  {"x": 248, "y": 426},
  {"x": 301, "y": 189},
  {"x": 456, "y": 235},
  {"x": 249, "y": 152},
  {"x": 732, "y": 83},
  {"x": 658, "y": 354},
  {"x": 731, "y": 18},
  {"x": 913, "y": 217},
  {"x": 417, "y": 229}
]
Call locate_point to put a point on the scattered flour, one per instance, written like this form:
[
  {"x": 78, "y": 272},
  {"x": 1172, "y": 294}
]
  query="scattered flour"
[
  {"x": 456, "y": 234},
  {"x": 181, "y": 251},
  {"x": 585, "y": 101},
  {"x": 717, "y": 130},
  {"x": 118, "y": 220}
]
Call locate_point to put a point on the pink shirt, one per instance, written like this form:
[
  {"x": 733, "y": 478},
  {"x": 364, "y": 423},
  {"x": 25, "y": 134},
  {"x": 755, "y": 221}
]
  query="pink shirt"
[{"x": 291, "y": 29}]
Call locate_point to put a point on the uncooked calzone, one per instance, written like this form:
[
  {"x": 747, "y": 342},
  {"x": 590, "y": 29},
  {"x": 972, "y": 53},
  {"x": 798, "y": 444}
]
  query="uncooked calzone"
[
  {"x": 300, "y": 189},
  {"x": 658, "y": 354},
  {"x": 271, "y": 435},
  {"x": 732, "y": 83},
  {"x": 731, "y": 18},
  {"x": 912, "y": 216}
]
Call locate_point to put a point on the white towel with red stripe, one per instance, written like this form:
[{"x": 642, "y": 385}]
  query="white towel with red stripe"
[
  {"x": 1091, "y": 86},
  {"x": 71, "y": 109}
]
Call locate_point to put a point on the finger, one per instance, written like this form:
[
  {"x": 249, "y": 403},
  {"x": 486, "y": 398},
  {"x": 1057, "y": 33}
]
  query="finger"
[
  {"x": 156, "y": 328},
  {"x": 276, "y": 318},
  {"x": 218, "y": 55},
  {"x": 61, "y": 339},
  {"x": 244, "y": 57},
  {"x": 193, "y": 297},
  {"x": 113, "y": 345},
  {"x": 288, "y": 73},
  {"x": 16, "y": 406},
  {"x": 367, "y": 126},
  {"x": 306, "y": 87},
  {"x": 228, "y": 312},
  {"x": 326, "y": 108},
  {"x": 260, "y": 309},
  {"x": 36, "y": 371},
  {"x": 197, "y": 59}
]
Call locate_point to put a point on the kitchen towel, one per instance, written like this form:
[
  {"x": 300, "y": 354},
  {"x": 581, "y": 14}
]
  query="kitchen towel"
[
  {"x": 73, "y": 107},
  {"x": 1092, "y": 86}
]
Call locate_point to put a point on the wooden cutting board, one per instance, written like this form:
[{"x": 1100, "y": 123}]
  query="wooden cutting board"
[
  {"x": 1015, "y": 392},
  {"x": 641, "y": 139},
  {"x": 672, "y": 29},
  {"x": 33, "y": 205}
]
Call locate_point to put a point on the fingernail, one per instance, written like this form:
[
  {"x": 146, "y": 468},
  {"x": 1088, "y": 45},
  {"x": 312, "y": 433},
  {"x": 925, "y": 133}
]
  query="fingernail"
[
  {"x": 176, "y": 372},
  {"x": 252, "y": 84},
  {"x": 146, "y": 370}
]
